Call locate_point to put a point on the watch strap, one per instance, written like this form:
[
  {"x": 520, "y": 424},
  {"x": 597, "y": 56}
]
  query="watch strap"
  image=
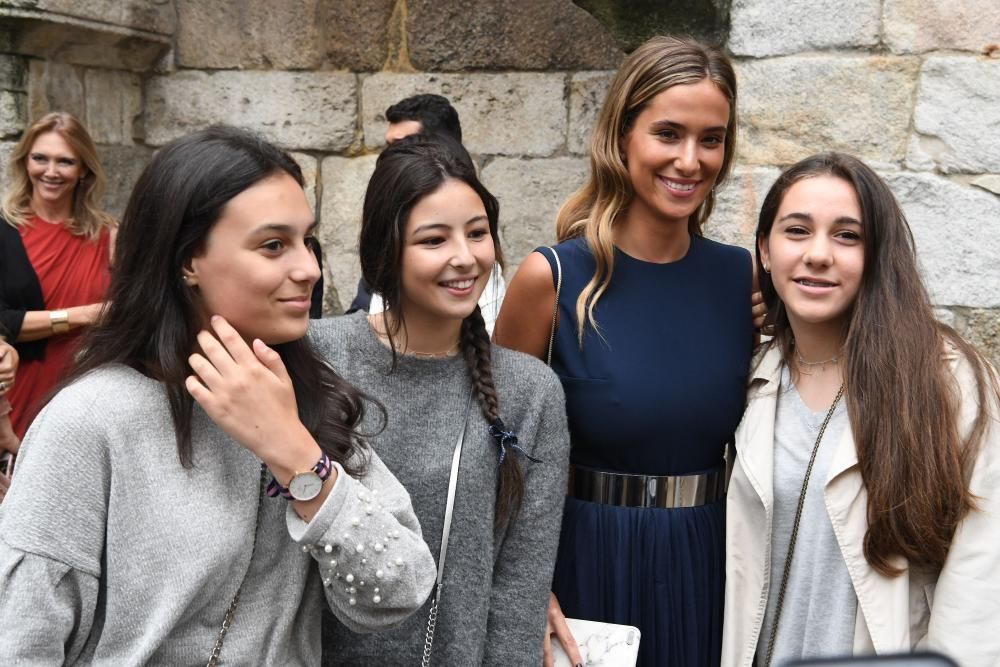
[{"x": 323, "y": 468}]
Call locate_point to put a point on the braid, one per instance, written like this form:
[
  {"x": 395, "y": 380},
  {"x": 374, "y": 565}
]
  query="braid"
[{"x": 475, "y": 343}]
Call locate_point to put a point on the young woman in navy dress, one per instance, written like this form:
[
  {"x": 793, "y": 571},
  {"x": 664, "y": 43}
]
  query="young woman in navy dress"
[{"x": 652, "y": 343}]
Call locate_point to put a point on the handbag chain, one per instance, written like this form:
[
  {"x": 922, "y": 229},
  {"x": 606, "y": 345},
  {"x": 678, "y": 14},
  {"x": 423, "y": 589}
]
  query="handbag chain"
[
  {"x": 227, "y": 620},
  {"x": 795, "y": 531}
]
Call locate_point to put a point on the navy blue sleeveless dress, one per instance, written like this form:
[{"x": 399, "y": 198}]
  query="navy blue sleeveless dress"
[{"x": 659, "y": 391}]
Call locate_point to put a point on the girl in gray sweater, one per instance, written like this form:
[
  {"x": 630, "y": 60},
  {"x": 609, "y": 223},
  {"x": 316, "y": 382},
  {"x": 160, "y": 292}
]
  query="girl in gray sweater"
[
  {"x": 169, "y": 517},
  {"x": 428, "y": 244}
]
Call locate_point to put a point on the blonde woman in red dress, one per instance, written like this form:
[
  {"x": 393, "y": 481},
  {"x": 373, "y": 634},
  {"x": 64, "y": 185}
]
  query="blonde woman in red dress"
[{"x": 54, "y": 254}]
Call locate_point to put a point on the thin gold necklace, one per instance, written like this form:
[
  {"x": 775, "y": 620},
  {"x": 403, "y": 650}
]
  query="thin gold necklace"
[
  {"x": 804, "y": 364},
  {"x": 450, "y": 352}
]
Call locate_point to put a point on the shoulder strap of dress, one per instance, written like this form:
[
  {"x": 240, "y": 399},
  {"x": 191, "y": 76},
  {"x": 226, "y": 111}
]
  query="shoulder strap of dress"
[{"x": 555, "y": 307}]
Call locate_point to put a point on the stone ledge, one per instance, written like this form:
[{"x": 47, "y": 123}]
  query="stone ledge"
[
  {"x": 79, "y": 41},
  {"x": 156, "y": 16}
]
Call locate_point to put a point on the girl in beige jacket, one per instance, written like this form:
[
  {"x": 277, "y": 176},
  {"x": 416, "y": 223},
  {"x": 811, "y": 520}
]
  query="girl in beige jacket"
[{"x": 863, "y": 513}]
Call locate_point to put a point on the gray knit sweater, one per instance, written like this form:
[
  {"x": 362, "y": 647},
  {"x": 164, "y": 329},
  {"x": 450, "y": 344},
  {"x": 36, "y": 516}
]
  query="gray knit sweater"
[
  {"x": 111, "y": 553},
  {"x": 496, "y": 583}
]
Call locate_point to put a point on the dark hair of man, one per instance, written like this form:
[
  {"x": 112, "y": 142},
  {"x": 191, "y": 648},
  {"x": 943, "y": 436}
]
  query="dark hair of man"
[
  {"x": 902, "y": 398},
  {"x": 434, "y": 113},
  {"x": 406, "y": 172},
  {"x": 153, "y": 318}
]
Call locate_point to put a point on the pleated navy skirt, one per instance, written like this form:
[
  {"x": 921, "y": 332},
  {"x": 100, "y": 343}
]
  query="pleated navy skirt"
[{"x": 661, "y": 570}]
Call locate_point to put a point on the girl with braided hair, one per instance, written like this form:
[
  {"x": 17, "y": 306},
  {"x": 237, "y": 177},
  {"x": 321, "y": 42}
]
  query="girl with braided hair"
[{"x": 428, "y": 244}]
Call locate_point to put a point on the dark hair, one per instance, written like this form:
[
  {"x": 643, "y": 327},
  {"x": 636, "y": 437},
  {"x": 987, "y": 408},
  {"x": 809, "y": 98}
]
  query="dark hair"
[
  {"x": 406, "y": 172},
  {"x": 152, "y": 317},
  {"x": 902, "y": 399},
  {"x": 434, "y": 113}
]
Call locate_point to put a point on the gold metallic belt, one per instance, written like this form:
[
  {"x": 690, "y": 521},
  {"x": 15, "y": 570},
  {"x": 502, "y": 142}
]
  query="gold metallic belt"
[{"x": 662, "y": 491}]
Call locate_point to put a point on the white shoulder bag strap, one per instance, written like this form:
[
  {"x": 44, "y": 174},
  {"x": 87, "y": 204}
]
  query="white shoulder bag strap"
[{"x": 445, "y": 531}]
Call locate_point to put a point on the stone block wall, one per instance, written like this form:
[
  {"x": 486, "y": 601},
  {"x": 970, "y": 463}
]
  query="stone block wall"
[
  {"x": 316, "y": 77},
  {"x": 912, "y": 87}
]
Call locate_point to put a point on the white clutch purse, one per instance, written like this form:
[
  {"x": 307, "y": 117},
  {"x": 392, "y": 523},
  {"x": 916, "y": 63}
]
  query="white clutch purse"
[{"x": 601, "y": 644}]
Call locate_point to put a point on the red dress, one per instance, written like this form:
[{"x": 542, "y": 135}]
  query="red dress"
[{"x": 72, "y": 271}]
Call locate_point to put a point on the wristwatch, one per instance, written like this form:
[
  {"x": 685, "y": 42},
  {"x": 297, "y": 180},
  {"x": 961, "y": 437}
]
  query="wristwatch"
[
  {"x": 306, "y": 485},
  {"x": 59, "y": 320}
]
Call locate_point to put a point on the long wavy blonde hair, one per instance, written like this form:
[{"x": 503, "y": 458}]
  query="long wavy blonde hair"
[
  {"x": 88, "y": 219},
  {"x": 592, "y": 211}
]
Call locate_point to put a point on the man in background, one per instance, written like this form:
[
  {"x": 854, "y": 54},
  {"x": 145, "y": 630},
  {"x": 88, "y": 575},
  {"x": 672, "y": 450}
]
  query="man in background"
[{"x": 422, "y": 114}]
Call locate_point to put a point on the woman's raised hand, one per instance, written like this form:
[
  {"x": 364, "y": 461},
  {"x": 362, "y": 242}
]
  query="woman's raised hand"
[{"x": 246, "y": 391}]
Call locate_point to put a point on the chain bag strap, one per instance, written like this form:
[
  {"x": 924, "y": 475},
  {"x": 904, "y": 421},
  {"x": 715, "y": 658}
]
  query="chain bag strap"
[
  {"x": 227, "y": 620},
  {"x": 795, "y": 531},
  {"x": 555, "y": 308},
  {"x": 445, "y": 531}
]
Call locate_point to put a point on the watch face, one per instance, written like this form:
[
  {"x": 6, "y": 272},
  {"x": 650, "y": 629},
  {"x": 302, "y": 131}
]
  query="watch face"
[{"x": 305, "y": 485}]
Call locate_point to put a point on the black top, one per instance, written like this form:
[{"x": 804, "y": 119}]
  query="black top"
[
  {"x": 20, "y": 291},
  {"x": 362, "y": 300}
]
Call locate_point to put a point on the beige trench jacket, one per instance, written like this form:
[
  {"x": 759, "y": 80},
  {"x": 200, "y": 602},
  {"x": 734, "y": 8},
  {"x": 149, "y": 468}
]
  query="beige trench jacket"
[{"x": 955, "y": 611}]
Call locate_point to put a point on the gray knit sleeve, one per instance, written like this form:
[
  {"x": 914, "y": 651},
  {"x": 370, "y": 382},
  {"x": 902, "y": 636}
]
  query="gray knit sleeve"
[
  {"x": 52, "y": 536},
  {"x": 376, "y": 568},
  {"x": 46, "y": 609},
  {"x": 522, "y": 573}
]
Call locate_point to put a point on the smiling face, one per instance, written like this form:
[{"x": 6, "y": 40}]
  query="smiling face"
[
  {"x": 448, "y": 254},
  {"x": 674, "y": 150},
  {"x": 815, "y": 251},
  {"x": 256, "y": 268},
  {"x": 54, "y": 170}
]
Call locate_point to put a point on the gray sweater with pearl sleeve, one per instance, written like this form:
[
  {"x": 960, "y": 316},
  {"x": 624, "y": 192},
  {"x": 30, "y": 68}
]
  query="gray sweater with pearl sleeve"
[{"x": 112, "y": 553}]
